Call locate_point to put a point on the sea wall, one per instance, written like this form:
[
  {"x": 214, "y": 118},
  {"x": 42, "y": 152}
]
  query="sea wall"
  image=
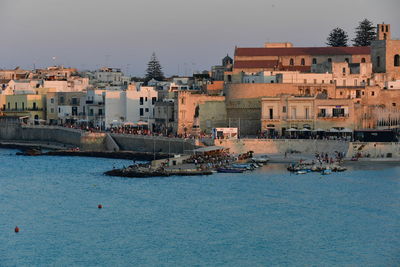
[
  {"x": 374, "y": 150},
  {"x": 54, "y": 134},
  {"x": 280, "y": 146},
  {"x": 160, "y": 144},
  {"x": 310, "y": 147}
]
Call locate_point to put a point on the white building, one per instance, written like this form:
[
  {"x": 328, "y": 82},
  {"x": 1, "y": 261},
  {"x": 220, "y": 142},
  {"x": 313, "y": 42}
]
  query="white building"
[{"x": 129, "y": 106}]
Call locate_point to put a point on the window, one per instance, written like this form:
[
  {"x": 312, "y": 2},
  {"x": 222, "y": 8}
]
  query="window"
[
  {"x": 315, "y": 81},
  {"x": 59, "y": 110},
  {"x": 8, "y": 105},
  {"x": 145, "y": 99},
  {"x": 344, "y": 82},
  {"x": 23, "y": 105},
  {"x": 378, "y": 61},
  {"x": 329, "y": 60},
  {"x": 146, "y": 110},
  {"x": 355, "y": 82},
  {"x": 16, "y": 105},
  {"x": 271, "y": 113},
  {"x": 34, "y": 105},
  {"x": 294, "y": 115},
  {"x": 322, "y": 112},
  {"x": 305, "y": 81},
  {"x": 338, "y": 112},
  {"x": 52, "y": 110},
  {"x": 341, "y": 93},
  {"x": 396, "y": 60},
  {"x": 100, "y": 112},
  {"x": 363, "y": 60},
  {"x": 323, "y": 81},
  {"x": 307, "y": 112},
  {"x": 384, "y": 36},
  {"x": 314, "y": 61},
  {"x": 52, "y": 100},
  {"x": 387, "y": 28},
  {"x": 372, "y": 93},
  {"x": 344, "y": 70},
  {"x": 182, "y": 100},
  {"x": 153, "y": 100},
  {"x": 75, "y": 111},
  {"x": 303, "y": 62},
  {"x": 346, "y": 59},
  {"x": 284, "y": 109},
  {"x": 61, "y": 100},
  {"x": 74, "y": 101},
  {"x": 382, "y": 28},
  {"x": 291, "y": 62},
  {"x": 393, "y": 104},
  {"x": 141, "y": 111},
  {"x": 141, "y": 100}
]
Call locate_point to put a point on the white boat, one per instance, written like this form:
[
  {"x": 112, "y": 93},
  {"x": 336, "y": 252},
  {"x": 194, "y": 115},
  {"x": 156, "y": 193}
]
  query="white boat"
[
  {"x": 301, "y": 172},
  {"x": 260, "y": 159}
]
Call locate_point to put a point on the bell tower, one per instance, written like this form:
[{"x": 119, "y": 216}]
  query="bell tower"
[{"x": 383, "y": 32}]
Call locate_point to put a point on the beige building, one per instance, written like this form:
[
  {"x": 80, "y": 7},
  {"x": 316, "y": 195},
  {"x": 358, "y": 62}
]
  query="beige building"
[
  {"x": 278, "y": 114},
  {"x": 187, "y": 108},
  {"x": 63, "y": 107}
]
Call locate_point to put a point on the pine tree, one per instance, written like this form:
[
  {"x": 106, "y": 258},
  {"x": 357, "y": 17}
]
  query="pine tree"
[
  {"x": 337, "y": 37},
  {"x": 365, "y": 33},
  {"x": 154, "y": 69}
]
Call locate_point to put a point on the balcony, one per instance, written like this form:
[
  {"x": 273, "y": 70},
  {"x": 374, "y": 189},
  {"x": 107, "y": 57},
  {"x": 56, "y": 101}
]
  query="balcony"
[{"x": 329, "y": 116}]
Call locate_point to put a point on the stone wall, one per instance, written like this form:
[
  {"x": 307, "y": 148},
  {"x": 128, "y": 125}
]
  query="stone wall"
[
  {"x": 142, "y": 143},
  {"x": 280, "y": 146},
  {"x": 374, "y": 150}
]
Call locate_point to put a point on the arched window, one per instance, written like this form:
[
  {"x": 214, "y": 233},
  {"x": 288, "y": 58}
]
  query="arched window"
[
  {"x": 329, "y": 60},
  {"x": 397, "y": 60},
  {"x": 363, "y": 60},
  {"x": 378, "y": 61},
  {"x": 303, "y": 62},
  {"x": 314, "y": 61},
  {"x": 291, "y": 62}
]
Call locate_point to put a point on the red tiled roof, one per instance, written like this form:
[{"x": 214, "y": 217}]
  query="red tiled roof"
[
  {"x": 255, "y": 64},
  {"x": 294, "y": 51}
]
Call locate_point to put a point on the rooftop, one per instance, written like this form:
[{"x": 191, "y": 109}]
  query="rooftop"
[{"x": 293, "y": 51}]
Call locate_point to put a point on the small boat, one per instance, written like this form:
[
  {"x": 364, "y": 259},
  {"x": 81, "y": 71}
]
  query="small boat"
[
  {"x": 244, "y": 166},
  {"x": 229, "y": 170},
  {"x": 301, "y": 172},
  {"x": 260, "y": 159}
]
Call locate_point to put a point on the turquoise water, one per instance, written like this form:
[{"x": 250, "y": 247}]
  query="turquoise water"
[{"x": 267, "y": 217}]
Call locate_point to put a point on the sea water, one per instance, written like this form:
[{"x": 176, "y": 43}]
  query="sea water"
[{"x": 267, "y": 217}]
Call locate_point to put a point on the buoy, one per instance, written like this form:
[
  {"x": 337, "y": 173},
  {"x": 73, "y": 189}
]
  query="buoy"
[
  {"x": 100, "y": 206},
  {"x": 16, "y": 229}
]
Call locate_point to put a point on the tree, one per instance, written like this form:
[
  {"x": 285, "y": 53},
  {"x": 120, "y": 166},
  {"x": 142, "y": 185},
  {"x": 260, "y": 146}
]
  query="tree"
[
  {"x": 365, "y": 33},
  {"x": 154, "y": 69},
  {"x": 337, "y": 37}
]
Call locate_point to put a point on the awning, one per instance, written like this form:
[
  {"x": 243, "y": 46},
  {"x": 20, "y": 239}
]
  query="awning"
[
  {"x": 291, "y": 130},
  {"x": 305, "y": 130},
  {"x": 319, "y": 130},
  {"x": 346, "y": 130}
]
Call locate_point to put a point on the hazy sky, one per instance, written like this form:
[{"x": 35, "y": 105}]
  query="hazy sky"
[{"x": 185, "y": 34}]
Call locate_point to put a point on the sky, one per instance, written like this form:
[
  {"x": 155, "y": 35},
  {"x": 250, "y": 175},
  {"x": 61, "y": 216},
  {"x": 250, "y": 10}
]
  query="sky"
[{"x": 186, "y": 35}]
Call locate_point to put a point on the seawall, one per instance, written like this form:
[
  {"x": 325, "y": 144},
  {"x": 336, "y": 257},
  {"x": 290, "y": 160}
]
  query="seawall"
[
  {"x": 307, "y": 147},
  {"x": 88, "y": 141}
]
